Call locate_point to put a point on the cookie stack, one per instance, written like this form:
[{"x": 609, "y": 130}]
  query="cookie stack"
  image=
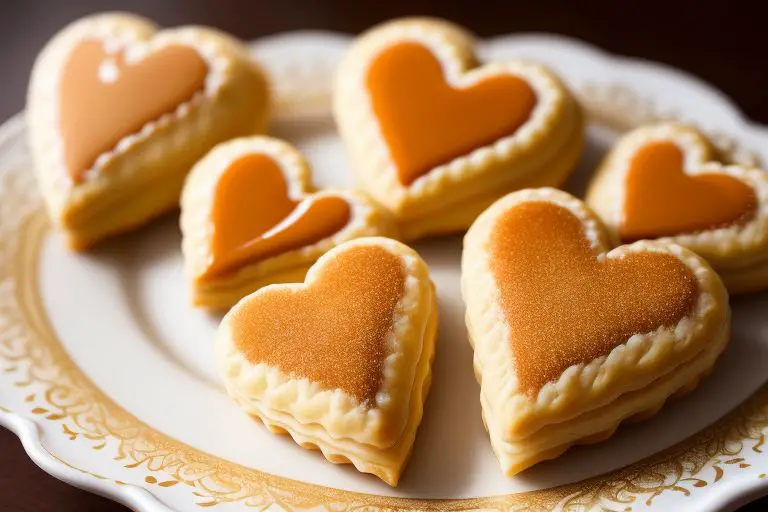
[{"x": 333, "y": 320}]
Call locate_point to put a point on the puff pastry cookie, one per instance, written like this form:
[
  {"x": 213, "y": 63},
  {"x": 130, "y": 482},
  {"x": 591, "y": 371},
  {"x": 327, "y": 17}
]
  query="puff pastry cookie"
[
  {"x": 663, "y": 182},
  {"x": 572, "y": 338},
  {"x": 343, "y": 361},
  {"x": 118, "y": 112},
  {"x": 436, "y": 137},
  {"x": 250, "y": 217}
]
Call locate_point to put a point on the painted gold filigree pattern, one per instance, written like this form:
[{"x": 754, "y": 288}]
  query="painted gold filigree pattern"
[{"x": 33, "y": 360}]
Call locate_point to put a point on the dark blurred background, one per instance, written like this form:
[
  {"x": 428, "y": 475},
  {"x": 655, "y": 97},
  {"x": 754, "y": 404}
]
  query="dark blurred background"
[{"x": 722, "y": 42}]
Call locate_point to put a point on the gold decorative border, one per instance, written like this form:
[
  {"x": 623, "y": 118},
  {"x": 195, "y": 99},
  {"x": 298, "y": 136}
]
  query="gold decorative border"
[{"x": 57, "y": 390}]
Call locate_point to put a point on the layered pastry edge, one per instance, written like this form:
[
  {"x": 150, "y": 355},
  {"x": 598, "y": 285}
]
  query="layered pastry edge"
[{"x": 599, "y": 424}]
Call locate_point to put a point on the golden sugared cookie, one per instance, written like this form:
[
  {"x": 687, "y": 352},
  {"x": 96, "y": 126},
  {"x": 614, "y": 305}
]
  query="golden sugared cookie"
[
  {"x": 341, "y": 362},
  {"x": 118, "y": 112},
  {"x": 571, "y": 338},
  {"x": 250, "y": 217},
  {"x": 436, "y": 137},
  {"x": 663, "y": 182}
]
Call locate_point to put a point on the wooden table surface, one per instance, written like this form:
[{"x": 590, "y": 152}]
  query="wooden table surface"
[{"x": 722, "y": 42}]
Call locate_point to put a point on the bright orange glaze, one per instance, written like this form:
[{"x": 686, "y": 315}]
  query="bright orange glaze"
[
  {"x": 662, "y": 200},
  {"x": 95, "y": 114},
  {"x": 254, "y": 218},
  {"x": 426, "y": 122},
  {"x": 563, "y": 306}
]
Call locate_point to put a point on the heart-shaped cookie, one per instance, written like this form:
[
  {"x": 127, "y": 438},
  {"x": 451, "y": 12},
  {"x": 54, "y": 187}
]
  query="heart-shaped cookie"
[
  {"x": 342, "y": 361},
  {"x": 250, "y": 217},
  {"x": 572, "y": 338},
  {"x": 437, "y": 138},
  {"x": 118, "y": 113},
  {"x": 662, "y": 182}
]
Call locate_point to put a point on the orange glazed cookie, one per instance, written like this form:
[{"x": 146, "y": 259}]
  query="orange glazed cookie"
[
  {"x": 118, "y": 113},
  {"x": 571, "y": 338},
  {"x": 250, "y": 217},
  {"x": 662, "y": 182},
  {"x": 436, "y": 137},
  {"x": 341, "y": 362}
]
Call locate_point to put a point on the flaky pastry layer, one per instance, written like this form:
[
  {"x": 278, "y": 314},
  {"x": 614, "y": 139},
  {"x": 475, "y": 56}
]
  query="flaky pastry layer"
[{"x": 598, "y": 424}]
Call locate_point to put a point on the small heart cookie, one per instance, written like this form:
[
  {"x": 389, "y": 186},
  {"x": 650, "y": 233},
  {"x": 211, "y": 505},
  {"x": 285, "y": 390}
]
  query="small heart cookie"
[
  {"x": 250, "y": 217},
  {"x": 662, "y": 182},
  {"x": 342, "y": 362},
  {"x": 118, "y": 112},
  {"x": 572, "y": 338},
  {"x": 437, "y": 138}
]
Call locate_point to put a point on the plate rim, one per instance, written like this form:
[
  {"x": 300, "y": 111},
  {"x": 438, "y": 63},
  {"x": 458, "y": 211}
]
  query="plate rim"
[{"x": 143, "y": 497}]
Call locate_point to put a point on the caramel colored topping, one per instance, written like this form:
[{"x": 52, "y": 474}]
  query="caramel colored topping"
[
  {"x": 254, "y": 218},
  {"x": 661, "y": 200},
  {"x": 426, "y": 122},
  {"x": 104, "y": 99},
  {"x": 333, "y": 332},
  {"x": 564, "y": 306}
]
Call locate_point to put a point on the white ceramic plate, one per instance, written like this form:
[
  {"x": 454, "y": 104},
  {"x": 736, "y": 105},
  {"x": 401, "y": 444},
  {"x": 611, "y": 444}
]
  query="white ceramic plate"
[{"x": 107, "y": 373}]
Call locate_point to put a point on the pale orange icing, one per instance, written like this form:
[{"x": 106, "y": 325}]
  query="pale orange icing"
[
  {"x": 662, "y": 200},
  {"x": 333, "y": 332},
  {"x": 103, "y": 99},
  {"x": 254, "y": 218},
  {"x": 426, "y": 122},
  {"x": 563, "y": 306}
]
